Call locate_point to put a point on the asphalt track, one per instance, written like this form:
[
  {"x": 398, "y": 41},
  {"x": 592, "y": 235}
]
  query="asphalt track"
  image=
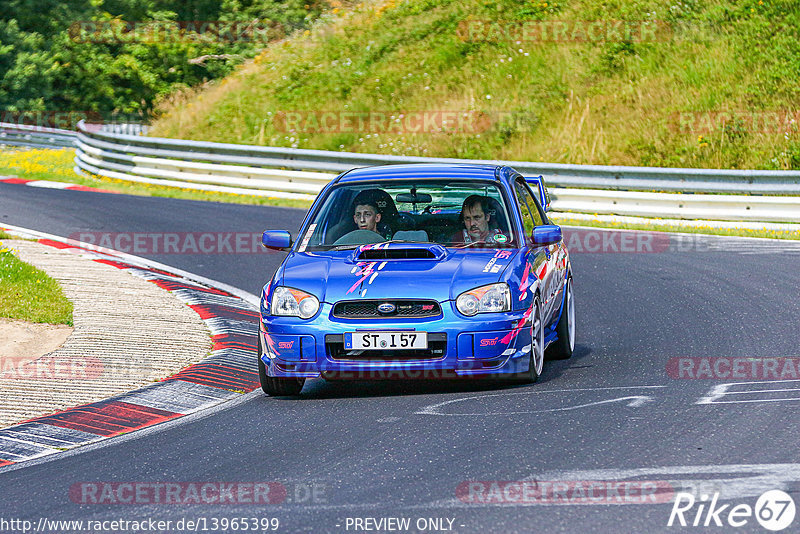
[{"x": 400, "y": 449}]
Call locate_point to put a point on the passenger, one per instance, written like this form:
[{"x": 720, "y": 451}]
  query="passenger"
[{"x": 480, "y": 224}]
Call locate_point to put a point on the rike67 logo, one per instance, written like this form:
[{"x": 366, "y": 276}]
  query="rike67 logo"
[{"x": 774, "y": 510}]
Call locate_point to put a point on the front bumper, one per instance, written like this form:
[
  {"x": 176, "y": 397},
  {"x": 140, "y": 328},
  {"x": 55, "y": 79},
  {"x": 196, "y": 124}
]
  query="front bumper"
[{"x": 491, "y": 344}]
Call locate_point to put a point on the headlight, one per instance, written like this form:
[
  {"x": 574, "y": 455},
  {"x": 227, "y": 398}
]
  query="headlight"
[
  {"x": 484, "y": 299},
  {"x": 290, "y": 302}
]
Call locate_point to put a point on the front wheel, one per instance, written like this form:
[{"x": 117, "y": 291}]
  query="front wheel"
[
  {"x": 276, "y": 386},
  {"x": 536, "y": 363},
  {"x": 565, "y": 330}
]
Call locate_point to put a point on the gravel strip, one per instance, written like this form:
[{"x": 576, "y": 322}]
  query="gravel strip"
[{"x": 128, "y": 333}]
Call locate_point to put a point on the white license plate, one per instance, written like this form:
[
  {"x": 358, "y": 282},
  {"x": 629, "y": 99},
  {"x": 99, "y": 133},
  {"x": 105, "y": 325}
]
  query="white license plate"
[{"x": 385, "y": 340}]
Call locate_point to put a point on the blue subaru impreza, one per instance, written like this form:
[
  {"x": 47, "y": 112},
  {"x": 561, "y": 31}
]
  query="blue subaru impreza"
[{"x": 418, "y": 271}]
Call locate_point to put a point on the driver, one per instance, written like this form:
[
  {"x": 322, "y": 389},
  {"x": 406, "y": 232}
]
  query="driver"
[
  {"x": 367, "y": 213},
  {"x": 479, "y": 221},
  {"x": 366, "y": 216}
]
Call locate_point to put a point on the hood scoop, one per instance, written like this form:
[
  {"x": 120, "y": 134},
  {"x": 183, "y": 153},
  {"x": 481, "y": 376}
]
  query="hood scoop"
[{"x": 400, "y": 251}]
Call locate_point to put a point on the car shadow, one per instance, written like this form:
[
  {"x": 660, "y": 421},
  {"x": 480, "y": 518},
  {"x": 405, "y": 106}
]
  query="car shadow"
[
  {"x": 555, "y": 368},
  {"x": 320, "y": 389}
]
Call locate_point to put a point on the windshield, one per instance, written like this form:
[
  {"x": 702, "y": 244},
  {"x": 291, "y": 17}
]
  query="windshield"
[{"x": 452, "y": 213}]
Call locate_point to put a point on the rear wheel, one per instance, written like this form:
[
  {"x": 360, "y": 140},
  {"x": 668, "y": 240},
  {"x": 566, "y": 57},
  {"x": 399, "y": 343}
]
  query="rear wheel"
[
  {"x": 565, "y": 344},
  {"x": 536, "y": 364},
  {"x": 276, "y": 386}
]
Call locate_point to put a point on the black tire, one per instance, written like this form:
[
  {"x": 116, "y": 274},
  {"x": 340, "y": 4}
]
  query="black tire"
[
  {"x": 273, "y": 386},
  {"x": 537, "y": 345},
  {"x": 564, "y": 346}
]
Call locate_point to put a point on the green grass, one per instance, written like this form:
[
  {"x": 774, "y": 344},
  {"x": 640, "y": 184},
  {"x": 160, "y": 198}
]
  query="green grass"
[
  {"x": 568, "y": 102},
  {"x": 28, "y": 294},
  {"x": 57, "y": 166}
]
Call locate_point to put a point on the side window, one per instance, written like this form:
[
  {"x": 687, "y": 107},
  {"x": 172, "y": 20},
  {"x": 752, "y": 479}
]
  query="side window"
[
  {"x": 536, "y": 206},
  {"x": 531, "y": 217}
]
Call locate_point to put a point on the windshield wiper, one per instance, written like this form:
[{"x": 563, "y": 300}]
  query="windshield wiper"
[
  {"x": 403, "y": 241},
  {"x": 492, "y": 244},
  {"x": 467, "y": 245}
]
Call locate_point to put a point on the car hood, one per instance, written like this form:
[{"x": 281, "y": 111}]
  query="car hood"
[{"x": 345, "y": 275}]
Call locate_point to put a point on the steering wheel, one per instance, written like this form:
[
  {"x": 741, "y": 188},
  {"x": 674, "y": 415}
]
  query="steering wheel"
[{"x": 360, "y": 237}]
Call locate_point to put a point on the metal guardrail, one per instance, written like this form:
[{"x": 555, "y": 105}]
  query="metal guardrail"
[
  {"x": 44, "y": 137},
  {"x": 738, "y": 195},
  {"x": 36, "y": 136},
  {"x": 595, "y": 176}
]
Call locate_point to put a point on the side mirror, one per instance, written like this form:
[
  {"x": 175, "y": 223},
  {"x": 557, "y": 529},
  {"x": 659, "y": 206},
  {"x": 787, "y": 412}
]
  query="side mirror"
[
  {"x": 277, "y": 239},
  {"x": 537, "y": 184},
  {"x": 547, "y": 234}
]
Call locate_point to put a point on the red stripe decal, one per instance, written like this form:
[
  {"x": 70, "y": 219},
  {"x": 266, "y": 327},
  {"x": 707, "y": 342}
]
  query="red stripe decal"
[
  {"x": 513, "y": 333},
  {"x": 5, "y": 462},
  {"x": 525, "y": 276},
  {"x": 543, "y": 271}
]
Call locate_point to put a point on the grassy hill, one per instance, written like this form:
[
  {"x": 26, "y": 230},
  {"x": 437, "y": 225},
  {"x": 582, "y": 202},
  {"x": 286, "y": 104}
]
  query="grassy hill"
[{"x": 697, "y": 84}]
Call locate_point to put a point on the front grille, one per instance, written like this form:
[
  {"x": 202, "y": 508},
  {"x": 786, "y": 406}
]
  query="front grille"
[
  {"x": 437, "y": 347},
  {"x": 368, "y": 309}
]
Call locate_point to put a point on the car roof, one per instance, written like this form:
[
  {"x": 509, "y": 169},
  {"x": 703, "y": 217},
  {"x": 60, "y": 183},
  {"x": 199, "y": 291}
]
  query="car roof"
[{"x": 422, "y": 171}]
